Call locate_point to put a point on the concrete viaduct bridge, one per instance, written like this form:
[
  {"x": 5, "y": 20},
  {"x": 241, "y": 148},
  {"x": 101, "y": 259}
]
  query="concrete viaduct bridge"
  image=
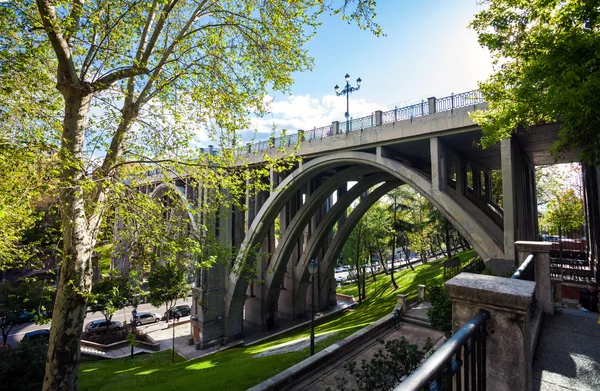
[{"x": 432, "y": 147}]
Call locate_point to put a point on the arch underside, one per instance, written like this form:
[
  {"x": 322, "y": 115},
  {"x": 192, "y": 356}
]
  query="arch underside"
[{"x": 368, "y": 170}]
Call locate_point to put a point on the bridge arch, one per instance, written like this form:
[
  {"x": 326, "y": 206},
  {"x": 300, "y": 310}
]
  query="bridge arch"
[{"x": 483, "y": 240}]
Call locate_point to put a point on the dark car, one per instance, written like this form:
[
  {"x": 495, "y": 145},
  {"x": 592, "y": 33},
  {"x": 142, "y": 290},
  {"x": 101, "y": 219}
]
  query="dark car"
[
  {"x": 184, "y": 309},
  {"x": 37, "y": 335}
]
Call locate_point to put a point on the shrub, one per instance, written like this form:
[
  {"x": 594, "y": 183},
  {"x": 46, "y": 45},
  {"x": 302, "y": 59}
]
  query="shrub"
[{"x": 440, "y": 313}]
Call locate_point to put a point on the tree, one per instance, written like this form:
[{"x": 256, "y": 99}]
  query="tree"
[
  {"x": 547, "y": 71},
  {"x": 154, "y": 72},
  {"x": 20, "y": 302},
  {"x": 112, "y": 294},
  {"x": 167, "y": 284},
  {"x": 387, "y": 367},
  {"x": 565, "y": 212}
]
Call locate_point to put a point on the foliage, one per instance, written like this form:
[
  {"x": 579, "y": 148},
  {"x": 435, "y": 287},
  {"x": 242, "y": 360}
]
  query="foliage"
[
  {"x": 22, "y": 368},
  {"x": 166, "y": 284},
  {"x": 112, "y": 294},
  {"x": 21, "y": 302},
  {"x": 440, "y": 313},
  {"x": 237, "y": 369},
  {"x": 548, "y": 70},
  {"x": 564, "y": 211},
  {"x": 387, "y": 367}
]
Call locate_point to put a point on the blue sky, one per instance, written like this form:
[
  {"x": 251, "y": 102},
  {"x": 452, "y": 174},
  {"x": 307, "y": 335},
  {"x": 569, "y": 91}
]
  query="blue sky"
[{"x": 428, "y": 51}]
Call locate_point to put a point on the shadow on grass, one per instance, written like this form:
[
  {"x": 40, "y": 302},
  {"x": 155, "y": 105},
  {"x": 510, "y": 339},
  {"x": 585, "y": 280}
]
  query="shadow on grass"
[{"x": 236, "y": 369}]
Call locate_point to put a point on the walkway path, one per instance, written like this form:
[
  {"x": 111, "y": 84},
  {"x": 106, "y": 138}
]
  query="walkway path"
[
  {"x": 326, "y": 378},
  {"x": 568, "y": 353}
]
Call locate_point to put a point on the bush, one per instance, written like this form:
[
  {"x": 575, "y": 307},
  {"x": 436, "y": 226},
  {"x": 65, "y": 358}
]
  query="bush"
[
  {"x": 23, "y": 368},
  {"x": 440, "y": 313},
  {"x": 386, "y": 368}
]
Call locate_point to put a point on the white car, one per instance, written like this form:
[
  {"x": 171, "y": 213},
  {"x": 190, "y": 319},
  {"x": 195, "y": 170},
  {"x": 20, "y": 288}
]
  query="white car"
[{"x": 145, "y": 318}]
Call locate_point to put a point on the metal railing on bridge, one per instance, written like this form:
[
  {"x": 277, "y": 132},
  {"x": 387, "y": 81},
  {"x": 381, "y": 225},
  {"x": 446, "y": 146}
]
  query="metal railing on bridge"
[
  {"x": 432, "y": 105},
  {"x": 458, "y": 364}
]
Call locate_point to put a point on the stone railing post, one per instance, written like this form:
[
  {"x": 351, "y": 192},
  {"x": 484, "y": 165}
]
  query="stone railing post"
[
  {"x": 401, "y": 303},
  {"x": 301, "y": 135},
  {"x": 543, "y": 289},
  {"x": 422, "y": 292},
  {"x": 431, "y": 103},
  {"x": 508, "y": 347},
  {"x": 335, "y": 127},
  {"x": 378, "y": 117}
]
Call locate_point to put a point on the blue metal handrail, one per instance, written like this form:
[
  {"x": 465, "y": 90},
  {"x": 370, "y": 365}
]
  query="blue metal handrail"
[
  {"x": 527, "y": 269},
  {"x": 465, "y": 350}
]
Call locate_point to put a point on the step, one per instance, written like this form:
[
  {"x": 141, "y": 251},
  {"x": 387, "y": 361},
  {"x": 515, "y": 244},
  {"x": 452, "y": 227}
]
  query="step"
[{"x": 415, "y": 321}]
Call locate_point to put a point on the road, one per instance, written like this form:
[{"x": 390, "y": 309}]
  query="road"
[{"x": 17, "y": 333}]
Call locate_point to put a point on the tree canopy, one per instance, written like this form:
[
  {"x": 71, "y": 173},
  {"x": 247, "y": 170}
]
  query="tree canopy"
[{"x": 548, "y": 70}]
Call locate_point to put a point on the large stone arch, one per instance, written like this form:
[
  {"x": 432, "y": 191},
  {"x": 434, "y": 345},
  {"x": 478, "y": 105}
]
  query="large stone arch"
[
  {"x": 301, "y": 269},
  {"x": 485, "y": 242},
  {"x": 280, "y": 258}
]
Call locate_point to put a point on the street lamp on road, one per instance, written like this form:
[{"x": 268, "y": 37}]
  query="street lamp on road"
[
  {"x": 347, "y": 91},
  {"x": 313, "y": 266}
]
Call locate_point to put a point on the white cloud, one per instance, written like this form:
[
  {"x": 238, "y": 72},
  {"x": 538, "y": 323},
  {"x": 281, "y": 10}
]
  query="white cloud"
[{"x": 305, "y": 112}]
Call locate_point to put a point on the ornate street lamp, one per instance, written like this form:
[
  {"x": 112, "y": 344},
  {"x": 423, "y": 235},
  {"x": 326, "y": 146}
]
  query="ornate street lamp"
[
  {"x": 313, "y": 266},
  {"x": 347, "y": 91}
]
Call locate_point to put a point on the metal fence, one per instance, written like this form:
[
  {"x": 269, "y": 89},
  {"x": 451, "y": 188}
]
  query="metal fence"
[
  {"x": 453, "y": 267},
  {"x": 447, "y": 103},
  {"x": 458, "y": 364},
  {"x": 569, "y": 257}
]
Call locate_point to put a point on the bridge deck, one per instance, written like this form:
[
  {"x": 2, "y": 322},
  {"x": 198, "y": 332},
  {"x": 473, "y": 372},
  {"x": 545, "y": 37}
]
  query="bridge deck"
[{"x": 568, "y": 353}]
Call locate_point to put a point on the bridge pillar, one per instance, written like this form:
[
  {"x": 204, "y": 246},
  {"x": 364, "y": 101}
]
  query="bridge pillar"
[{"x": 519, "y": 200}]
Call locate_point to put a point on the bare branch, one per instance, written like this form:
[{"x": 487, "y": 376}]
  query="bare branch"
[{"x": 116, "y": 75}]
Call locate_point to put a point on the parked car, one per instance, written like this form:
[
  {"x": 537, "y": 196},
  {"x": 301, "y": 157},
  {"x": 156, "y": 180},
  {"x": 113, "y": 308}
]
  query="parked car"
[
  {"x": 37, "y": 335},
  {"x": 172, "y": 313},
  {"x": 184, "y": 309},
  {"x": 96, "y": 326},
  {"x": 144, "y": 317}
]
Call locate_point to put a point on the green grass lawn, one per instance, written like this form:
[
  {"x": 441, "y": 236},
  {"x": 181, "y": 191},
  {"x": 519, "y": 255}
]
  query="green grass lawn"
[
  {"x": 104, "y": 252},
  {"x": 236, "y": 369}
]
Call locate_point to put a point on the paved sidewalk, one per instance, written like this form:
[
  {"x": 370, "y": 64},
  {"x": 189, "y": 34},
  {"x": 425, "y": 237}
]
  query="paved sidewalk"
[{"x": 568, "y": 353}]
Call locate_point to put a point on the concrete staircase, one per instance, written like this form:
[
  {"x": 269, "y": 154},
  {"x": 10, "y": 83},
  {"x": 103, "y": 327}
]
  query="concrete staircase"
[{"x": 417, "y": 314}]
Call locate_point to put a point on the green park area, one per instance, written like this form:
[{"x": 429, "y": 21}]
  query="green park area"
[{"x": 237, "y": 368}]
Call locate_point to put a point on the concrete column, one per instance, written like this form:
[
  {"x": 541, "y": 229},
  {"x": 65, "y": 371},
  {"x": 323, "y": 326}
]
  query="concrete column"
[
  {"x": 508, "y": 199},
  {"x": 335, "y": 127},
  {"x": 508, "y": 346},
  {"x": 543, "y": 288},
  {"x": 438, "y": 166},
  {"x": 378, "y": 117},
  {"x": 431, "y": 103}
]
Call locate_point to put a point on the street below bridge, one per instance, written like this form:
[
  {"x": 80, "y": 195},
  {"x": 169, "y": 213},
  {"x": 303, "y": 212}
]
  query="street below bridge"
[{"x": 123, "y": 316}]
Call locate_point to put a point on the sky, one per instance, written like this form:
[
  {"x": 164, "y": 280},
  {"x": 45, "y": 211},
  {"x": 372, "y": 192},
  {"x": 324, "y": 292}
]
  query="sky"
[{"x": 428, "y": 51}]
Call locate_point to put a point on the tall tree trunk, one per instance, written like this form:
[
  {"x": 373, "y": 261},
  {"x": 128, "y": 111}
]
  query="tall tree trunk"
[
  {"x": 394, "y": 246},
  {"x": 407, "y": 255},
  {"x": 357, "y": 256},
  {"x": 364, "y": 282},
  {"x": 78, "y": 243}
]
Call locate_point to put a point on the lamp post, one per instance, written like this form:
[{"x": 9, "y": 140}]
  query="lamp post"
[
  {"x": 133, "y": 315},
  {"x": 313, "y": 266},
  {"x": 347, "y": 91}
]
